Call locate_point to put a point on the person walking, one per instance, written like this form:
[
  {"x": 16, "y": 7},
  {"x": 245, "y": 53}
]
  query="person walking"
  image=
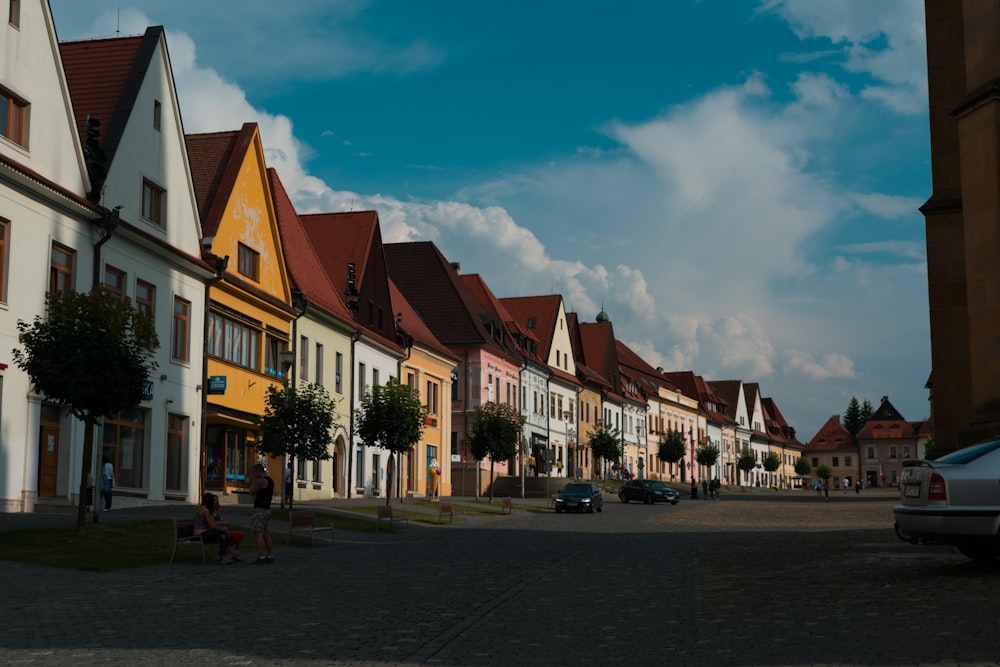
[
  {"x": 107, "y": 481},
  {"x": 262, "y": 490}
]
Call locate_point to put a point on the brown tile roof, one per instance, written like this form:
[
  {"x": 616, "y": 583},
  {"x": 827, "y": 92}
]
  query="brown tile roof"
[
  {"x": 436, "y": 291},
  {"x": 597, "y": 342},
  {"x": 544, "y": 310},
  {"x": 887, "y": 423},
  {"x": 694, "y": 386},
  {"x": 215, "y": 160},
  {"x": 832, "y": 436},
  {"x": 729, "y": 392},
  {"x": 103, "y": 77},
  {"x": 412, "y": 325},
  {"x": 305, "y": 270},
  {"x": 353, "y": 237}
]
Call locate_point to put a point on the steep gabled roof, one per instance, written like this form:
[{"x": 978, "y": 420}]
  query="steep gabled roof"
[
  {"x": 597, "y": 342},
  {"x": 729, "y": 392},
  {"x": 342, "y": 238},
  {"x": 104, "y": 78},
  {"x": 354, "y": 238},
  {"x": 215, "y": 159},
  {"x": 538, "y": 315},
  {"x": 777, "y": 425},
  {"x": 584, "y": 373},
  {"x": 305, "y": 270},
  {"x": 436, "y": 291},
  {"x": 832, "y": 436},
  {"x": 886, "y": 423},
  {"x": 695, "y": 386},
  {"x": 411, "y": 324}
]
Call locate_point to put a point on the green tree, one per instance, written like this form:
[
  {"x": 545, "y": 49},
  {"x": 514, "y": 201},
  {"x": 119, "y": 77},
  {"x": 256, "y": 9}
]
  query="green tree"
[
  {"x": 391, "y": 417},
  {"x": 771, "y": 463},
  {"x": 494, "y": 431},
  {"x": 297, "y": 423},
  {"x": 852, "y": 417},
  {"x": 746, "y": 461},
  {"x": 672, "y": 447},
  {"x": 802, "y": 466},
  {"x": 824, "y": 472},
  {"x": 92, "y": 354},
  {"x": 605, "y": 443},
  {"x": 707, "y": 455},
  {"x": 866, "y": 412}
]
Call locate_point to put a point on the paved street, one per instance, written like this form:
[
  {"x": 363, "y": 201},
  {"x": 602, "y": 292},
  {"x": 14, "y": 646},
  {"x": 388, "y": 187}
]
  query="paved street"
[{"x": 700, "y": 583}]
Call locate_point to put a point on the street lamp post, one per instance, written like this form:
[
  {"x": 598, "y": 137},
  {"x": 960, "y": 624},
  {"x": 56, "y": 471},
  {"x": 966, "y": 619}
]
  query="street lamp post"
[{"x": 287, "y": 361}]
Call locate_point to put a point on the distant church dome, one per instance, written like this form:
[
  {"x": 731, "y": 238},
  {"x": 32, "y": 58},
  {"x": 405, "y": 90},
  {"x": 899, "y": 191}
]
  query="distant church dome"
[{"x": 602, "y": 316}]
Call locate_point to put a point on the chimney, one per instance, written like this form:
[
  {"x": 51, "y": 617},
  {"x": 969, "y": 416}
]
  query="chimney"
[{"x": 457, "y": 266}]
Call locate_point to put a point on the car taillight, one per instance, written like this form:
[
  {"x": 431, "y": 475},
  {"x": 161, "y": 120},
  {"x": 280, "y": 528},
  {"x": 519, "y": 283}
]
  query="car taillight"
[{"x": 936, "y": 489}]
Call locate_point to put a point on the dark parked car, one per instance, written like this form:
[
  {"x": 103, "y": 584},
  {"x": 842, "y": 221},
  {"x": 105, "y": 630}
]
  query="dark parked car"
[
  {"x": 953, "y": 500},
  {"x": 648, "y": 491},
  {"x": 580, "y": 497}
]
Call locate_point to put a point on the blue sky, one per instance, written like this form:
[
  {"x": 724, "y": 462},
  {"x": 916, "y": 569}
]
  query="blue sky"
[{"x": 735, "y": 181}]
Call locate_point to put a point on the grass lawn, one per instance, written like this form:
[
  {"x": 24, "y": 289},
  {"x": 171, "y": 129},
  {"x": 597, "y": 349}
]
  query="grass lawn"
[{"x": 117, "y": 546}]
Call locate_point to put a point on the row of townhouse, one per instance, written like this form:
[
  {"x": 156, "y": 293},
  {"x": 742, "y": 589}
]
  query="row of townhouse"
[
  {"x": 875, "y": 455},
  {"x": 100, "y": 184}
]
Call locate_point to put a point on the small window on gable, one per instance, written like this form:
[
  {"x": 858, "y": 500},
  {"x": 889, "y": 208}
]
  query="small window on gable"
[
  {"x": 13, "y": 118},
  {"x": 156, "y": 115},
  {"x": 153, "y": 202},
  {"x": 249, "y": 262},
  {"x": 14, "y": 18}
]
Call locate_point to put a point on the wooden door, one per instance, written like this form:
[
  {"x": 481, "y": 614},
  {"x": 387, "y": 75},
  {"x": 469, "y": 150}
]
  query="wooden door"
[{"x": 48, "y": 460}]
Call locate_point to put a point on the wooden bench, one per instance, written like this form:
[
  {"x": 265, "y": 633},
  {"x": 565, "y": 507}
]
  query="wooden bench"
[
  {"x": 184, "y": 534},
  {"x": 446, "y": 510},
  {"x": 507, "y": 505},
  {"x": 385, "y": 514},
  {"x": 304, "y": 521}
]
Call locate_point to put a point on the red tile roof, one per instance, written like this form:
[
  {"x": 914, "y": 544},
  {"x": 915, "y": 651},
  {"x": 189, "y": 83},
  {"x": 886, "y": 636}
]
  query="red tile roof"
[
  {"x": 97, "y": 72},
  {"x": 215, "y": 159},
  {"x": 305, "y": 270},
  {"x": 544, "y": 310},
  {"x": 436, "y": 291},
  {"x": 411, "y": 324},
  {"x": 832, "y": 436}
]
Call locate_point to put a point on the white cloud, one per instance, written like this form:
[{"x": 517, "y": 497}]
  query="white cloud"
[
  {"x": 830, "y": 365},
  {"x": 886, "y": 206},
  {"x": 696, "y": 231},
  {"x": 898, "y": 66}
]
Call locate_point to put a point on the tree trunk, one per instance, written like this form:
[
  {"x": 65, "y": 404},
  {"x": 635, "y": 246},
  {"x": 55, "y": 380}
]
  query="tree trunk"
[
  {"x": 291, "y": 466},
  {"x": 491, "y": 480},
  {"x": 88, "y": 451}
]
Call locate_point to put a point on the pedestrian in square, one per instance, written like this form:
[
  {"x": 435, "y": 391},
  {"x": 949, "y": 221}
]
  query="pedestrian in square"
[{"x": 262, "y": 490}]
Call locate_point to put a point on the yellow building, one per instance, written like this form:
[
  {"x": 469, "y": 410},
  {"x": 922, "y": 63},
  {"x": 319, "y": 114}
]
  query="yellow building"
[
  {"x": 428, "y": 368},
  {"x": 249, "y": 313}
]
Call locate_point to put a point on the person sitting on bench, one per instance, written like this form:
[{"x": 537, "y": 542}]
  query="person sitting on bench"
[{"x": 210, "y": 531}]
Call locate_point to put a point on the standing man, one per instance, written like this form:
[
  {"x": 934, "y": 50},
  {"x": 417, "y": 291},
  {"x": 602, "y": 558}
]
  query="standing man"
[
  {"x": 288, "y": 485},
  {"x": 262, "y": 490}
]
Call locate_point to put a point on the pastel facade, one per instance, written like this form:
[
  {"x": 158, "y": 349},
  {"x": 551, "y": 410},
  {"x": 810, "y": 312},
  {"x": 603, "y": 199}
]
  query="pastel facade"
[
  {"x": 324, "y": 333},
  {"x": 249, "y": 313}
]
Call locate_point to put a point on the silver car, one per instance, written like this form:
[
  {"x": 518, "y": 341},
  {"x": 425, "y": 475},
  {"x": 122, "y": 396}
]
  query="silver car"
[{"x": 953, "y": 500}]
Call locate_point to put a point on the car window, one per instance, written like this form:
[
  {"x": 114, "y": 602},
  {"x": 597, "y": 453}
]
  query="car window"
[
  {"x": 970, "y": 453},
  {"x": 576, "y": 488},
  {"x": 656, "y": 484}
]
